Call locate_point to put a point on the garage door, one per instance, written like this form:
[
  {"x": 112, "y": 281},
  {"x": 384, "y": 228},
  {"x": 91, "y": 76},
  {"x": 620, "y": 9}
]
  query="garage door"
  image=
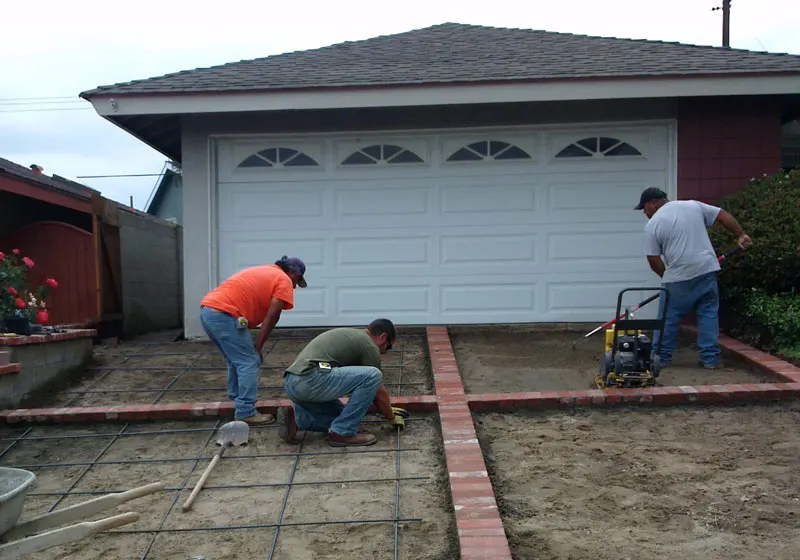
[{"x": 490, "y": 226}]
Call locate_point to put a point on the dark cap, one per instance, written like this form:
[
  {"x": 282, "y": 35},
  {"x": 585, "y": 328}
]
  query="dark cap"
[
  {"x": 649, "y": 194},
  {"x": 297, "y": 266}
]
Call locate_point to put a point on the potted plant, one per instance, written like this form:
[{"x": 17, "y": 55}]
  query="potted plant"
[{"x": 19, "y": 306}]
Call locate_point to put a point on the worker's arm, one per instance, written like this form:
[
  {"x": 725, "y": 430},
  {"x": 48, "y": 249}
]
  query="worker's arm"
[
  {"x": 656, "y": 264},
  {"x": 652, "y": 248},
  {"x": 269, "y": 322},
  {"x": 383, "y": 404},
  {"x": 730, "y": 223}
]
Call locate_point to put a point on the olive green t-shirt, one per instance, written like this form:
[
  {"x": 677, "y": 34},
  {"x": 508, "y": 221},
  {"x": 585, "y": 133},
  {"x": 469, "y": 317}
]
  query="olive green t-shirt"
[{"x": 339, "y": 347}]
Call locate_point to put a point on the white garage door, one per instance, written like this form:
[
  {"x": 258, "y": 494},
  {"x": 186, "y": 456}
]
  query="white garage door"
[{"x": 488, "y": 226}]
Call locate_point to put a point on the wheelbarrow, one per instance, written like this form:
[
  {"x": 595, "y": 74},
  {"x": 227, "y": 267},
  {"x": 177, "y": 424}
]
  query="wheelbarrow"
[{"x": 40, "y": 533}]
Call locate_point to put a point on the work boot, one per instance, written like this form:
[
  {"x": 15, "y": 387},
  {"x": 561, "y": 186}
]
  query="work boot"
[
  {"x": 358, "y": 440},
  {"x": 718, "y": 365},
  {"x": 287, "y": 426},
  {"x": 258, "y": 419}
]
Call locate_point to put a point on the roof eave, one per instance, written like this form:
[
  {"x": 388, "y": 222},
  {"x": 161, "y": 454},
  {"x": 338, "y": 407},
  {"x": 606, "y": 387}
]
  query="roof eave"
[{"x": 115, "y": 105}]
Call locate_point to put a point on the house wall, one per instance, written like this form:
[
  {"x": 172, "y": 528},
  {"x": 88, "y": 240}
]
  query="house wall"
[
  {"x": 151, "y": 274},
  {"x": 169, "y": 204},
  {"x": 720, "y": 145},
  {"x": 723, "y": 143}
]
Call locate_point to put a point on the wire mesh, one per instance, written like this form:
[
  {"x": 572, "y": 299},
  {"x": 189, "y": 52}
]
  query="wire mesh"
[{"x": 30, "y": 436}]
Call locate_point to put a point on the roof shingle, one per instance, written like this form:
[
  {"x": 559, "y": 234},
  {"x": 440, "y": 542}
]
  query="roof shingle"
[
  {"x": 55, "y": 182},
  {"x": 453, "y": 53}
]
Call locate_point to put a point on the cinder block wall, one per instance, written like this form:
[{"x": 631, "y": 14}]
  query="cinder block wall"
[{"x": 152, "y": 274}]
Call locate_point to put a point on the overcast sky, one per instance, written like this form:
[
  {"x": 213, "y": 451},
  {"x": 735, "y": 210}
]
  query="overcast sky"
[{"x": 52, "y": 50}]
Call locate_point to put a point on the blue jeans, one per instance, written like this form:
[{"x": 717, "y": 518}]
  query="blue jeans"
[
  {"x": 240, "y": 353},
  {"x": 702, "y": 295},
  {"x": 317, "y": 407}
]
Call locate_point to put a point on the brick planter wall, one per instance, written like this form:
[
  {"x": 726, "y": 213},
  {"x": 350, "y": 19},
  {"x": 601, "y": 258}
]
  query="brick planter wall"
[{"x": 39, "y": 362}]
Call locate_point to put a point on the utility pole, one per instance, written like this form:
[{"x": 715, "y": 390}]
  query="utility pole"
[{"x": 726, "y": 22}]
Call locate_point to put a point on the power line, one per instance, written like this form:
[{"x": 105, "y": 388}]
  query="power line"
[
  {"x": 121, "y": 175},
  {"x": 45, "y": 110},
  {"x": 35, "y": 98}
]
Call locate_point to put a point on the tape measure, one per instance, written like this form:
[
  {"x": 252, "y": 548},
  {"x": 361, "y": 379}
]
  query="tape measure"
[{"x": 242, "y": 323}]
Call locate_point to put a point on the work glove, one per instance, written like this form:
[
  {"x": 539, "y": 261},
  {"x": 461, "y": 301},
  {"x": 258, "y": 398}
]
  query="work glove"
[{"x": 399, "y": 418}]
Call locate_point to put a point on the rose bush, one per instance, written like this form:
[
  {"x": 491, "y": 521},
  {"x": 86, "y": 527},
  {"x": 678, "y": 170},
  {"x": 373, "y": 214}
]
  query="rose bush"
[{"x": 16, "y": 298}]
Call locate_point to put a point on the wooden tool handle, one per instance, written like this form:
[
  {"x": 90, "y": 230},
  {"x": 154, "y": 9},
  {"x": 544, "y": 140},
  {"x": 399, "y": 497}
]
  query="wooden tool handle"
[
  {"x": 65, "y": 535},
  {"x": 197, "y": 487},
  {"x": 79, "y": 511}
]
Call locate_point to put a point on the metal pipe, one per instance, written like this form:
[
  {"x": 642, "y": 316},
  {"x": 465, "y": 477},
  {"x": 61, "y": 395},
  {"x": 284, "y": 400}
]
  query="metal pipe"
[{"x": 256, "y": 526}]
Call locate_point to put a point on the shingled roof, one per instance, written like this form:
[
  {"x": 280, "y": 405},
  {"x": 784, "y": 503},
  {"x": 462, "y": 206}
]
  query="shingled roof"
[
  {"x": 53, "y": 183},
  {"x": 453, "y": 53}
]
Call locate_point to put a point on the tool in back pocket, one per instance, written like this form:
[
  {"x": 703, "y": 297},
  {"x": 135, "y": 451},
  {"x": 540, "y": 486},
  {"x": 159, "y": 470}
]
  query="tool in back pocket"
[
  {"x": 242, "y": 323},
  {"x": 324, "y": 366}
]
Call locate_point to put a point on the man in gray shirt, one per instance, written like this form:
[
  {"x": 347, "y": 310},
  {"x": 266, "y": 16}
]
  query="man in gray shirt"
[{"x": 679, "y": 250}]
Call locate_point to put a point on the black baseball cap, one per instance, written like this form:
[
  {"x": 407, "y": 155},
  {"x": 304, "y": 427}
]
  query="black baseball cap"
[{"x": 649, "y": 194}]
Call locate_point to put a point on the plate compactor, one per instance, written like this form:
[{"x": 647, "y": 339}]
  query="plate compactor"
[{"x": 630, "y": 360}]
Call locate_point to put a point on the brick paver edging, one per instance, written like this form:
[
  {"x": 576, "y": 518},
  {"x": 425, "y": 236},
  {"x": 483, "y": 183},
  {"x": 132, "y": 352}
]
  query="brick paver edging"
[
  {"x": 766, "y": 363},
  {"x": 480, "y": 529},
  {"x": 171, "y": 411},
  {"x": 42, "y": 338}
]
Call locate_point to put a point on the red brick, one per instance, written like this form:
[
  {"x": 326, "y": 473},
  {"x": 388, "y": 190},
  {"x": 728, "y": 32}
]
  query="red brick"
[
  {"x": 713, "y": 393},
  {"x": 667, "y": 395},
  {"x": 5, "y": 358},
  {"x": 476, "y": 512},
  {"x": 493, "y": 543},
  {"x": 690, "y": 394},
  {"x": 10, "y": 369}
]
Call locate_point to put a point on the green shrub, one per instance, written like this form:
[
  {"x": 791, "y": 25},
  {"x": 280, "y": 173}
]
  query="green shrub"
[
  {"x": 773, "y": 321},
  {"x": 768, "y": 209}
]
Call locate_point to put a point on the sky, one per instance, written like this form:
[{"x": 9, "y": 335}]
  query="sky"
[{"x": 53, "y": 50}]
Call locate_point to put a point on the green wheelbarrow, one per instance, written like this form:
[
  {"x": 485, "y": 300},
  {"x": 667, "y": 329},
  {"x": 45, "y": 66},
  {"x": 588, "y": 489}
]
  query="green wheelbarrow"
[{"x": 40, "y": 533}]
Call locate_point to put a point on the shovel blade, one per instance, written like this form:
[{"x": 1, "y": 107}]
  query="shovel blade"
[{"x": 233, "y": 433}]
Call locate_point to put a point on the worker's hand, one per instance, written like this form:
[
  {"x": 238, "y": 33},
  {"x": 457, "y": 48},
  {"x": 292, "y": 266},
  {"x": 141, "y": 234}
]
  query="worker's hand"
[
  {"x": 260, "y": 352},
  {"x": 744, "y": 241},
  {"x": 400, "y": 412},
  {"x": 398, "y": 421}
]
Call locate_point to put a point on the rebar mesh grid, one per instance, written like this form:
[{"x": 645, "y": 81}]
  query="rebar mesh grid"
[
  {"x": 73, "y": 483},
  {"x": 139, "y": 375}
]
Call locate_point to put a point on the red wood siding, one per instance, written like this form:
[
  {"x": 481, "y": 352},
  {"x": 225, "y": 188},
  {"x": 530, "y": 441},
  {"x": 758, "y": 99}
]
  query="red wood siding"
[
  {"x": 63, "y": 252},
  {"x": 723, "y": 144}
]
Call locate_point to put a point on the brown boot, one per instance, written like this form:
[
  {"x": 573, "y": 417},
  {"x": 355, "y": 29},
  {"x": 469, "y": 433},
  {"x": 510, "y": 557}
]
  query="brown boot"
[
  {"x": 358, "y": 440},
  {"x": 258, "y": 419},
  {"x": 287, "y": 426}
]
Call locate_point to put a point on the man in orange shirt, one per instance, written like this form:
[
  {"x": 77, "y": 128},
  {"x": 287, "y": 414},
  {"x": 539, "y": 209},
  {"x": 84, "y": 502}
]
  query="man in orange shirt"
[{"x": 253, "y": 296}]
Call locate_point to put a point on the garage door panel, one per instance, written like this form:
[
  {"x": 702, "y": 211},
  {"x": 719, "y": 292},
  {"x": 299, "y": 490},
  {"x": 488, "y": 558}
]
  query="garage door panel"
[
  {"x": 596, "y": 297},
  {"x": 487, "y": 249},
  {"x": 516, "y": 299},
  {"x": 310, "y": 303},
  {"x": 580, "y": 196},
  {"x": 382, "y": 252},
  {"x": 386, "y": 299}
]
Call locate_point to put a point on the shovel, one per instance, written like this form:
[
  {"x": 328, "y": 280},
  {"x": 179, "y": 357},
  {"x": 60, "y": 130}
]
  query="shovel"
[{"x": 230, "y": 434}]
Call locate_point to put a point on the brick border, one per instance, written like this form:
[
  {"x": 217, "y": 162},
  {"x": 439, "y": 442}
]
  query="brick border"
[
  {"x": 480, "y": 529},
  {"x": 171, "y": 411},
  {"x": 8, "y": 369},
  {"x": 42, "y": 338}
]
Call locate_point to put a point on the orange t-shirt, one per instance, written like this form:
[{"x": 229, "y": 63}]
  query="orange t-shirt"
[{"x": 249, "y": 292}]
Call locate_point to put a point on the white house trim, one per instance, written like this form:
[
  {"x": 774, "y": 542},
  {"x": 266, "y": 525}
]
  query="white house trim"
[{"x": 110, "y": 105}]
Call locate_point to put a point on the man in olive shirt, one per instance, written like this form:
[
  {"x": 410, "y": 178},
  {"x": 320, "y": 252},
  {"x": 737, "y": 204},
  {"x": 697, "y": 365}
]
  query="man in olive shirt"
[{"x": 340, "y": 362}]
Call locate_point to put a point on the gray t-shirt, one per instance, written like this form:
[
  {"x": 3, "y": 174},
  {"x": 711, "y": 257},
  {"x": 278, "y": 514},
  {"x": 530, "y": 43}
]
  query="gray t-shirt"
[
  {"x": 342, "y": 346},
  {"x": 678, "y": 233}
]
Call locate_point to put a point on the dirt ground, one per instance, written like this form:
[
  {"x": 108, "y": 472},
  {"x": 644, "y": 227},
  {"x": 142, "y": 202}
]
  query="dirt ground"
[
  {"x": 182, "y": 372},
  {"x": 691, "y": 483},
  {"x": 349, "y": 497},
  {"x": 510, "y": 360}
]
